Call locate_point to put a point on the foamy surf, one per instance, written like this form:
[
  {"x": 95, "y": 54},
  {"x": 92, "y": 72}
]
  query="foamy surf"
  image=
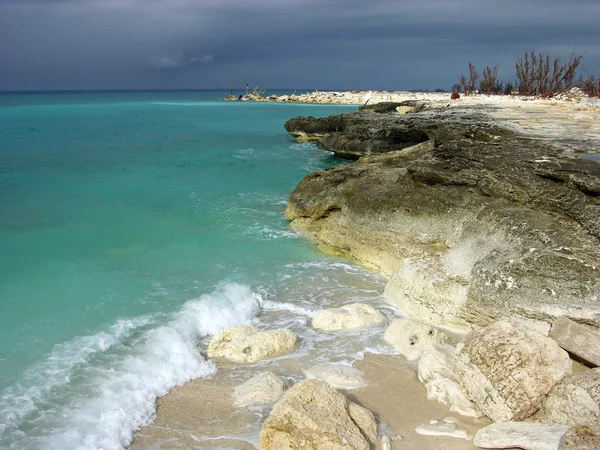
[{"x": 112, "y": 379}]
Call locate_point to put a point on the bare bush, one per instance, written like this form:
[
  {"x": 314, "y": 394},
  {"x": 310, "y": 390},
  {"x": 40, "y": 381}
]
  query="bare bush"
[
  {"x": 469, "y": 86},
  {"x": 490, "y": 84},
  {"x": 590, "y": 85},
  {"x": 537, "y": 76}
]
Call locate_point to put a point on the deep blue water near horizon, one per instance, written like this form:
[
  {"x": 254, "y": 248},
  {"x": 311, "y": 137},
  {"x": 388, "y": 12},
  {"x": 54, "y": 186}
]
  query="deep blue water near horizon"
[{"x": 131, "y": 225}]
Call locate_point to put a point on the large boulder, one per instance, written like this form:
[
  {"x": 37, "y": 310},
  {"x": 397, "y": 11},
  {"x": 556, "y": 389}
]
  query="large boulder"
[
  {"x": 263, "y": 389},
  {"x": 575, "y": 401},
  {"x": 245, "y": 344},
  {"x": 352, "y": 316},
  {"x": 412, "y": 338},
  {"x": 436, "y": 371},
  {"x": 507, "y": 371},
  {"x": 312, "y": 415}
]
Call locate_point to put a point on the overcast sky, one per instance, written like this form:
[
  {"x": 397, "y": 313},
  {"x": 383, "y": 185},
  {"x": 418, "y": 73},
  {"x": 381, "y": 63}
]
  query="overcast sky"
[{"x": 296, "y": 44}]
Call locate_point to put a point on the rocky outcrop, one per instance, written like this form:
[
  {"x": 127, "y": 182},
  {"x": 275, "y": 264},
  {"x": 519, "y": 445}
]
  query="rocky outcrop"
[
  {"x": 245, "y": 344},
  {"x": 363, "y": 133},
  {"x": 525, "y": 435},
  {"x": 507, "y": 372},
  {"x": 480, "y": 226},
  {"x": 575, "y": 401},
  {"x": 313, "y": 415},
  {"x": 436, "y": 371},
  {"x": 412, "y": 338},
  {"x": 263, "y": 389},
  {"x": 353, "y": 316}
]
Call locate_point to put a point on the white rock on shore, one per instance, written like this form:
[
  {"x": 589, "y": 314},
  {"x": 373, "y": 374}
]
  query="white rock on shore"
[
  {"x": 412, "y": 338},
  {"x": 338, "y": 375},
  {"x": 507, "y": 372},
  {"x": 312, "y": 415},
  {"x": 245, "y": 344},
  {"x": 525, "y": 435},
  {"x": 263, "y": 389},
  {"x": 436, "y": 370},
  {"x": 352, "y": 316}
]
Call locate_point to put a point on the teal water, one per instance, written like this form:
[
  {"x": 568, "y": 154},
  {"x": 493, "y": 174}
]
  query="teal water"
[{"x": 132, "y": 225}]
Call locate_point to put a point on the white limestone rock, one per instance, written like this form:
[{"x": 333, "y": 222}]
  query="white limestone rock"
[
  {"x": 444, "y": 429},
  {"x": 507, "y": 371},
  {"x": 436, "y": 371},
  {"x": 263, "y": 389},
  {"x": 575, "y": 401},
  {"x": 339, "y": 376},
  {"x": 313, "y": 415},
  {"x": 245, "y": 344},
  {"x": 412, "y": 338},
  {"x": 525, "y": 435},
  {"x": 348, "y": 317}
]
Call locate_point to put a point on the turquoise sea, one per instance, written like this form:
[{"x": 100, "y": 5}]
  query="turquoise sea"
[{"x": 132, "y": 225}]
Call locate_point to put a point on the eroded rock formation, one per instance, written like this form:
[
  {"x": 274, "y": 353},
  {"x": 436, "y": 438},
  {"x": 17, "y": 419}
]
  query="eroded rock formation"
[{"x": 477, "y": 225}]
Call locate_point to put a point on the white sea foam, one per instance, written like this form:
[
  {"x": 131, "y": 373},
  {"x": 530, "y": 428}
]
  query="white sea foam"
[
  {"x": 113, "y": 378},
  {"x": 285, "y": 306}
]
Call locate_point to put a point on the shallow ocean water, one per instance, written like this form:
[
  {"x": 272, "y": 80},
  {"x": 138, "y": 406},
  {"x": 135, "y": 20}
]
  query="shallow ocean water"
[{"x": 132, "y": 226}]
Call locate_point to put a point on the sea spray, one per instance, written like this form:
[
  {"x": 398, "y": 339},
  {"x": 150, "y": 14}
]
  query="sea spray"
[{"x": 134, "y": 364}]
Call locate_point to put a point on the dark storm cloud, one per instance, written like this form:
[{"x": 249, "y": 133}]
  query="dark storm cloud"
[{"x": 387, "y": 44}]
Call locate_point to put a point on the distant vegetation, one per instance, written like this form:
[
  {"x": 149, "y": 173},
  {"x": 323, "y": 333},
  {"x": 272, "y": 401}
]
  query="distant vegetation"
[{"x": 536, "y": 75}]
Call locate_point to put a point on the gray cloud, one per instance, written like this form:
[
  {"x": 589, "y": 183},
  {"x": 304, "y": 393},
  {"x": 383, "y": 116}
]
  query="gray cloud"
[{"x": 387, "y": 44}]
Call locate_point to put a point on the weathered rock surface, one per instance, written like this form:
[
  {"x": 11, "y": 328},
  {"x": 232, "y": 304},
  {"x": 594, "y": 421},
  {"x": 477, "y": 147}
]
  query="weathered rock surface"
[
  {"x": 339, "y": 376},
  {"x": 245, "y": 344},
  {"x": 362, "y": 133},
  {"x": 263, "y": 389},
  {"x": 312, "y": 415},
  {"x": 468, "y": 231},
  {"x": 436, "y": 371},
  {"x": 525, "y": 435},
  {"x": 412, "y": 338},
  {"x": 353, "y": 316},
  {"x": 581, "y": 438},
  {"x": 575, "y": 401},
  {"x": 577, "y": 339},
  {"x": 507, "y": 372}
]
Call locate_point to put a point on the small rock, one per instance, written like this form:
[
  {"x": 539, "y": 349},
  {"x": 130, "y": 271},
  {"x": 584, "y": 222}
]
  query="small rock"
[
  {"x": 450, "y": 420},
  {"x": 338, "y": 375},
  {"x": 263, "y": 389},
  {"x": 246, "y": 344},
  {"x": 412, "y": 338},
  {"x": 577, "y": 339},
  {"x": 445, "y": 429},
  {"x": 386, "y": 443},
  {"x": 353, "y": 316},
  {"x": 525, "y": 435},
  {"x": 575, "y": 401}
]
